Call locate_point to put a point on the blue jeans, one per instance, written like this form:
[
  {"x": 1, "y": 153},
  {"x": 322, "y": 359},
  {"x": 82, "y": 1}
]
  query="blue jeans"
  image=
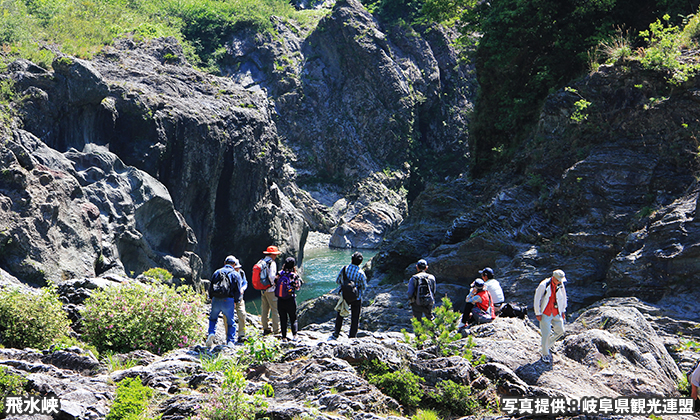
[{"x": 227, "y": 306}]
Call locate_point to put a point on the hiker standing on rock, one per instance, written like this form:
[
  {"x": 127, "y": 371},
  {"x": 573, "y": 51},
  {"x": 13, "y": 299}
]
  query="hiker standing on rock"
[
  {"x": 550, "y": 311},
  {"x": 240, "y": 305},
  {"x": 269, "y": 300},
  {"x": 287, "y": 283},
  {"x": 352, "y": 283},
  {"x": 421, "y": 291},
  {"x": 224, "y": 293}
]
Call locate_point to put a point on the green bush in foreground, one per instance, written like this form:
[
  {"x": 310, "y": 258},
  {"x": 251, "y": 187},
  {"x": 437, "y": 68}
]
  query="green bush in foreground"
[
  {"x": 441, "y": 331},
  {"x": 455, "y": 399},
  {"x": 10, "y": 385},
  {"x": 131, "y": 400},
  {"x": 130, "y": 317},
  {"x": 31, "y": 320},
  {"x": 402, "y": 385}
]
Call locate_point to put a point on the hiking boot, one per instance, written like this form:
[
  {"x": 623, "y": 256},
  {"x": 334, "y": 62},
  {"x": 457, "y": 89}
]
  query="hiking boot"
[
  {"x": 332, "y": 338},
  {"x": 267, "y": 332},
  {"x": 210, "y": 340},
  {"x": 242, "y": 339},
  {"x": 547, "y": 359}
]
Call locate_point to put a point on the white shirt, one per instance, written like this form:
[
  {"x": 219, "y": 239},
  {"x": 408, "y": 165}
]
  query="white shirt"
[
  {"x": 494, "y": 287},
  {"x": 272, "y": 273},
  {"x": 695, "y": 377}
]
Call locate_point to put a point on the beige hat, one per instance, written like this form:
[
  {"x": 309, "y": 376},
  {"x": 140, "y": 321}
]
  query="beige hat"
[{"x": 559, "y": 275}]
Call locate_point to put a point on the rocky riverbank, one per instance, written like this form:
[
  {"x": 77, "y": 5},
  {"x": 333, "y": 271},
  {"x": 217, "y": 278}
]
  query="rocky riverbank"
[{"x": 615, "y": 348}]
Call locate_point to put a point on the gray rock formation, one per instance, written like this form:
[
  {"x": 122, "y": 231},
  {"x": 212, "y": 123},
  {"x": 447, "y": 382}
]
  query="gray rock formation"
[
  {"x": 209, "y": 141},
  {"x": 618, "y": 347},
  {"x": 611, "y": 201},
  {"x": 85, "y": 213}
]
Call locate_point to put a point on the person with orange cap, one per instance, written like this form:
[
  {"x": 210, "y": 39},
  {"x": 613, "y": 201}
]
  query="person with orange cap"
[{"x": 269, "y": 300}]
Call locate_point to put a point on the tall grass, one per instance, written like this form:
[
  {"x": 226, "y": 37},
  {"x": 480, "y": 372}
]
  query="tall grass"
[{"x": 36, "y": 29}]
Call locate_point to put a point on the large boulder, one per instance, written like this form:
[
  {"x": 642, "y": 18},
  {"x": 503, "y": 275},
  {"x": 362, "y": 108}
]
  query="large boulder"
[{"x": 83, "y": 214}]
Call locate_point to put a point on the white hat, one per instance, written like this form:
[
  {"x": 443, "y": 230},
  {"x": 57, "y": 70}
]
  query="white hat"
[{"x": 559, "y": 275}]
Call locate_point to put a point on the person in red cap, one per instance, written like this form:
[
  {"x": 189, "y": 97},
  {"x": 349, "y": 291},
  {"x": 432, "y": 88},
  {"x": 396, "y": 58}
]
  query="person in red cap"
[{"x": 269, "y": 300}]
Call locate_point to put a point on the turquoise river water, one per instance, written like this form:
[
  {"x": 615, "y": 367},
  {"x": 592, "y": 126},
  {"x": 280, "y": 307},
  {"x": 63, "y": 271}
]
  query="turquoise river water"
[{"x": 319, "y": 271}]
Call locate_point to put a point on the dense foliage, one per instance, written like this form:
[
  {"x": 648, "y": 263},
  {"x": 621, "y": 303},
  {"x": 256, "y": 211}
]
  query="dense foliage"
[
  {"x": 30, "y": 28},
  {"x": 10, "y": 385},
  {"x": 31, "y": 320},
  {"x": 131, "y": 401},
  {"x": 528, "y": 48},
  {"x": 131, "y": 317}
]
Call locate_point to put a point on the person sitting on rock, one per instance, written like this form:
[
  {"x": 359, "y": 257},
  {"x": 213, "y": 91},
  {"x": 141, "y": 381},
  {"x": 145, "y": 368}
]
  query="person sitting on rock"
[
  {"x": 421, "y": 291},
  {"x": 478, "y": 308},
  {"x": 494, "y": 287}
]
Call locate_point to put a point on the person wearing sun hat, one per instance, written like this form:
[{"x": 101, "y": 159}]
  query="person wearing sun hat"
[
  {"x": 550, "y": 311},
  {"x": 269, "y": 300}
]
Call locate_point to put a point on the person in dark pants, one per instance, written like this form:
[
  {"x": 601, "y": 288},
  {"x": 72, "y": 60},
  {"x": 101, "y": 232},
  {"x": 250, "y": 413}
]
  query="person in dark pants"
[
  {"x": 351, "y": 273},
  {"x": 421, "y": 291},
  {"x": 287, "y": 283}
]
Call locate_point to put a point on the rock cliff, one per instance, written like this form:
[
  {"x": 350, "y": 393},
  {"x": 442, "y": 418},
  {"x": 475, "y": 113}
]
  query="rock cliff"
[
  {"x": 608, "y": 196},
  {"x": 311, "y": 129}
]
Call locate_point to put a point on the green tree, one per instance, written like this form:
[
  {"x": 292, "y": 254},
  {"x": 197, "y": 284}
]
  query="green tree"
[
  {"x": 528, "y": 48},
  {"x": 440, "y": 332}
]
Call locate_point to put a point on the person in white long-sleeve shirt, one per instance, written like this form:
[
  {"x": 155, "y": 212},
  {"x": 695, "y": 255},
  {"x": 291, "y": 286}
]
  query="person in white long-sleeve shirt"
[{"x": 550, "y": 310}]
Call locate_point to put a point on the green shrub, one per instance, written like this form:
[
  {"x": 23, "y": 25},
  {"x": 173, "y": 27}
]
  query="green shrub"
[
  {"x": 664, "y": 51},
  {"x": 259, "y": 349},
  {"x": 31, "y": 320},
  {"x": 371, "y": 368},
  {"x": 440, "y": 332},
  {"x": 402, "y": 385},
  {"x": 232, "y": 402},
  {"x": 10, "y": 385},
  {"x": 129, "y": 317},
  {"x": 131, "y": 400},
  {"x": 159, "y": 275},
  {"x": 425, "y": 415},
  {"x": 455, "y": 400}
]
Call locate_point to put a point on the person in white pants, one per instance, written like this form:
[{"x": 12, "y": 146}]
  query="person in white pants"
[{"x": 550, "y": 311}]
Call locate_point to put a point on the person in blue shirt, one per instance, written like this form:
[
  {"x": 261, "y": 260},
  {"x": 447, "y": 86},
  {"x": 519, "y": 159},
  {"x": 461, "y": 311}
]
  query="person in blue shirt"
[
  {"x": 351, "y": 273},
  {"x": 225, "y": 304}
]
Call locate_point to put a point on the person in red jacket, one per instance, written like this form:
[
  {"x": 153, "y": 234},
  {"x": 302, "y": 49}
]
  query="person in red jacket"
[
  {"x": 550, "y": 310},
  {"x": 482, "y": 310}
]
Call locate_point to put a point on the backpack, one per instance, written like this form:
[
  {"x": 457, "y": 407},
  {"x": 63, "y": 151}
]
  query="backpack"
[
  {"x": 261, "y": 275},
  {"x": 424, "y": 296},
  {"x": 221, "y": 285},
  {"x": 349, "y": 288},
  {"x": 284, "y": 287},
  {"x": 514, "y": 310}
]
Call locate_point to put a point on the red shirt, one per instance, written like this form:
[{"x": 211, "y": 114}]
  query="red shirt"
[{"x": 551, "y": 309}]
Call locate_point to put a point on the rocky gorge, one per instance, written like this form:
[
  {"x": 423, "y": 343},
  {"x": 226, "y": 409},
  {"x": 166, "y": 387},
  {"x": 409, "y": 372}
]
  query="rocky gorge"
[{"x": 134, "y": 159}]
